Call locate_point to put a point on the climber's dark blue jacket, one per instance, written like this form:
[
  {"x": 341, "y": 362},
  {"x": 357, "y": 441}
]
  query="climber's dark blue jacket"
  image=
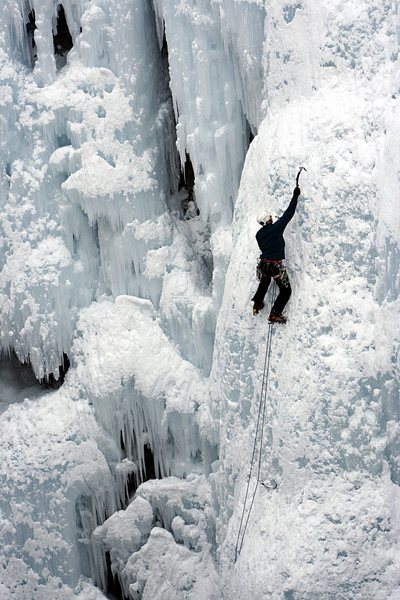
[{"x": 270, "y": 237}]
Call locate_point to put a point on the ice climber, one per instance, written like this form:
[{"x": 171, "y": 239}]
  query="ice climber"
[{"x": 270, "y": 265}]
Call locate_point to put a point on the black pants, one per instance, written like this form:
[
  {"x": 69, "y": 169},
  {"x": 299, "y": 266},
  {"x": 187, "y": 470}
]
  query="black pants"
[{"x": 276, "y": 271}]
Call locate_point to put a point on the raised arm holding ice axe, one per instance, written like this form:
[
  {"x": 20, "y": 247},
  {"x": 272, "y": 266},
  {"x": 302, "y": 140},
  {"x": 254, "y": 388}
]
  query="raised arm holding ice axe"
[{"x": 270, "y": 264}]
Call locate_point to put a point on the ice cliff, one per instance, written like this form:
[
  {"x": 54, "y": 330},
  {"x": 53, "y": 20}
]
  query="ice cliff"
[{"x": 138, "y": 140}]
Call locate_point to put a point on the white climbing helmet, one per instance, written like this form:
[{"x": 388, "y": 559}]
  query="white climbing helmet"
[{"x": 264, "y": 217}]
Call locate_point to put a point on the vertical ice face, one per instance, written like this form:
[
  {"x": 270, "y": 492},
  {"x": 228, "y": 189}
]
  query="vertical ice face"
[
  {"x": 216, "y": 87},
  {"x": 56, "y": 482},
  {"x": 331, "y": 434},
  {"x": 87, "y": 164},
  {"x": 143, "y": 392},
  {"x": 194, "y": 83},
  {"x": 91, "y": 210},
  {"x": 119, "y": 122},
  {"x": 95, "y": 114},
  {"x": 99, "y": 143}
]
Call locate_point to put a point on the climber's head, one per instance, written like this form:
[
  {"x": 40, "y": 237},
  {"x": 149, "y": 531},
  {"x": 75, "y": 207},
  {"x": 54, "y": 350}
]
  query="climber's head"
[{"x": 264, "y": 218}]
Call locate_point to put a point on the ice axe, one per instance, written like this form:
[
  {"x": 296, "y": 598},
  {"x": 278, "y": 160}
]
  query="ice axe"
[{"x": 298, "y": 175}]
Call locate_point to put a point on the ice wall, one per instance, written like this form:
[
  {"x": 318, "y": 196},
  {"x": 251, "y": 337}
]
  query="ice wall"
[
  {"x": 54, "y": 456},
  {"x": 91, "y": 211},
  {"x": 209, "y": 96},
  {"x": 96, "y": 162},
  {"x": 101, "y": 261},
  {"x": 169, "y": 528},
  {"x": 331, "y": 439},
  {"x": 142, "y": 391}
]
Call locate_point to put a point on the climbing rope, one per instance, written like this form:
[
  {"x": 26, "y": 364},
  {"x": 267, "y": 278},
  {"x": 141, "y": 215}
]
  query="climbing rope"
[{"x": 259, "y": 428}]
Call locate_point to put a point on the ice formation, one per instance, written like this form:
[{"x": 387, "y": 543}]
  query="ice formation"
[{"x": 138, "y": 140}]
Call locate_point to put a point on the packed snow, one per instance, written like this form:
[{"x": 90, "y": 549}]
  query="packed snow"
[{"x": 138, "y": 141}]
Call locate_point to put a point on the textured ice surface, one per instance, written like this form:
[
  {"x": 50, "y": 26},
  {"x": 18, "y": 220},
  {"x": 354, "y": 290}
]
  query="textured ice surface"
[
  {"x": 51, "y": 459},
  {"x": 165, "y": 569},
  {"x": 330, "y": 439},
  {"x": 99, "y": 261},
  {"x": 137, "y": 382},
  {"x": 139, "y": 535}
]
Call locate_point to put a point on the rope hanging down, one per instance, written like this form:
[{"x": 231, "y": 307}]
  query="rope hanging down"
[{"x": 259, "y": 430}]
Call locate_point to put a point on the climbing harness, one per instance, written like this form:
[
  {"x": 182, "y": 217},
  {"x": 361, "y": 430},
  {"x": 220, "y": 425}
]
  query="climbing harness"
[
  {"x": 272, "y": 268},
  {"x": 258, "y": 436},
  {"x": 264, "y": 267},
  {"x": 298, "y": 175}
]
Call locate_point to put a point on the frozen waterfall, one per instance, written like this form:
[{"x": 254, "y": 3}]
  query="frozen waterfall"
[{"x": 138, "y": 140}]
